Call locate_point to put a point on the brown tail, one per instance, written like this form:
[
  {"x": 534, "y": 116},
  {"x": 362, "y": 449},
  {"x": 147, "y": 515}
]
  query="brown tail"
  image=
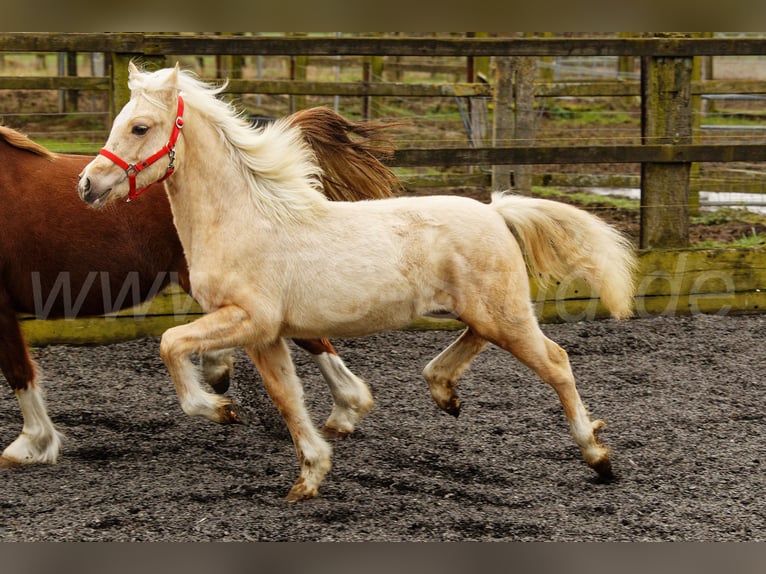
[{"x": 353, "y": 168}]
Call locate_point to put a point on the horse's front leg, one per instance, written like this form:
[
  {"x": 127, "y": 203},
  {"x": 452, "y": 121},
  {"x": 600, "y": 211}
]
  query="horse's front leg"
[
  {"x": 223, "y": 328},
  {"x": 39, "y": 441},
  {"x": 286, "y": 391}
]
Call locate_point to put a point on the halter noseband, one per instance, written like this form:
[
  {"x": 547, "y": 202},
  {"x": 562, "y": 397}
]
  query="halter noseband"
[{"x": 169, "y": 149}]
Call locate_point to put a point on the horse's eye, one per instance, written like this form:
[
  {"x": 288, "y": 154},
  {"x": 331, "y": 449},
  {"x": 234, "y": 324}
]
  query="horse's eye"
[{"x": 140, "y": 130}]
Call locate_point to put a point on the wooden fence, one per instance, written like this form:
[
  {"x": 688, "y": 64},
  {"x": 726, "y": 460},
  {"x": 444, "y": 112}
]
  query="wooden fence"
[{"x": 666, "y": 89}]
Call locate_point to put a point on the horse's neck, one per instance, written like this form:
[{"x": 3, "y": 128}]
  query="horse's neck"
[{"x": 205, "y": 192}]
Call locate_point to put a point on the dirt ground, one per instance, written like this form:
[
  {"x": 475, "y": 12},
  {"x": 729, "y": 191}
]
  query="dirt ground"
[{"x": 683, "y": 399}]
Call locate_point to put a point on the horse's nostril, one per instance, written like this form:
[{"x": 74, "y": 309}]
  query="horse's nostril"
[{"x": 83, "y": 188}]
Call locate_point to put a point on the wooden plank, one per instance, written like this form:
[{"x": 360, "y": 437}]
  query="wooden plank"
[
  {"x": 673, "y": 282},
  {"x": 316, "y": 88},
  {"x": 54, "y": 83},
  {"x": 156, "y": 44},
  {"x": 402, "y": 89},
  {"x": 677, "y": 272},
  {"x": 98, "y": 331},
  {"x": 571, "y": 154},
  {"x": 434, "y": 47},
  {"x": 78, "y": 42},
  {"x": 611, "y": 88},
  {"x": 580, "y": 180},
  {"x": 422, "y": 157}
]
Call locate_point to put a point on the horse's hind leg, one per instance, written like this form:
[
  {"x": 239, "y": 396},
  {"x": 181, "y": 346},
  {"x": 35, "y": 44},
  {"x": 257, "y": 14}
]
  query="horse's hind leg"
[
  {"x": 442, "y": 372},
  {"x": 351, "y": 396},
  {"x": 285, "y": 389},
  {"x": 527, "y": 342},
  {"x": 39, "y": 441},
  {"x": 217, "y": 367}
]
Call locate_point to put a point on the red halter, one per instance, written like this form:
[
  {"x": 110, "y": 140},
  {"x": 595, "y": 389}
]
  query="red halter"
[{"x": 168, "y": 149}]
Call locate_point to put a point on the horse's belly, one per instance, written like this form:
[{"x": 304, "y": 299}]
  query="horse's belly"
[{"x": 352, "y": 318}]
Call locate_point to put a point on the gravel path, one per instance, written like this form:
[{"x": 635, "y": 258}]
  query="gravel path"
[{"x": 683, "y": 399}]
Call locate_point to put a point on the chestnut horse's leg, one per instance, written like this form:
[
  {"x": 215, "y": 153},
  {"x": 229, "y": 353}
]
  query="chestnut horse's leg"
[
  {"x": 351, "y": 396},
  {"x": 39, "y": 441},
  {"x": 284, "y": 387}
]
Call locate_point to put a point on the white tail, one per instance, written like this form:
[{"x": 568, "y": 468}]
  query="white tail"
[{"x": 559, "y": 240}]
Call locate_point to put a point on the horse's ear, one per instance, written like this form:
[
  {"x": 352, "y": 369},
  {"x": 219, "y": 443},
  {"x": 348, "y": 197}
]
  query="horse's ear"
[
  {"x": 132, "y": 69},
  {"x": 173, "y": 78}
]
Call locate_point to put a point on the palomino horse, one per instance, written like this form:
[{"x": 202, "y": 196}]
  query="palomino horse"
[
  {"x": 270, "y": 257},
  {"x": 68, "y": 261}
]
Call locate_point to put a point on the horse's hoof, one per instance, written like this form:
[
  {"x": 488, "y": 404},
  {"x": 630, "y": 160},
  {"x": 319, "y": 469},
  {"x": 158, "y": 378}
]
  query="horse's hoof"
[
  {"x": 231, "y": 414},
  {"x": 9, "y": 463},
  {"x": 452, "y": 407},
  {"x": 331, "y": 433},
  {"x": 300, "y": 491},
  {"x": 221, "y": 385},
  {"x": 604, "y": 469}
]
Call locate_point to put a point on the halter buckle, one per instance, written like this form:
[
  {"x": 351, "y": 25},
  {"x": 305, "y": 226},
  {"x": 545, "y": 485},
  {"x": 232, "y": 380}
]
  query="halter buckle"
[{"x": 172, "y": 158}]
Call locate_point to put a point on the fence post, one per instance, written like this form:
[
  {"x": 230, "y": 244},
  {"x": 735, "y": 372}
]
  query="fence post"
[
  {"x": 229, "y": 66},
  {"x": 524, "y": 128},
  {"x": 502, "y": 120},
  {"x": 120, "y": 93},
  {"x": 298, "y": 71},
  {"x": 372, "y": 70},
  {"x": 699, "y": 72},
  {"x": 514, "y": 118},
  {"x": 665, "y": 119},
  {"x": 68, "y": 67}
]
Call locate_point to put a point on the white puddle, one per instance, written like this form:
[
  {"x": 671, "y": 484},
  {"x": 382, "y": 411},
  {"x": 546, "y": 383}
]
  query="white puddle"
[{"x": 755, "y": 202}]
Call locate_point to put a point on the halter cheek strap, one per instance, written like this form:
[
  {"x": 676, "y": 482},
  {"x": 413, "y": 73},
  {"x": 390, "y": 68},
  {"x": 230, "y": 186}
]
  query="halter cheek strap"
[{"x": 169, "y": 149}]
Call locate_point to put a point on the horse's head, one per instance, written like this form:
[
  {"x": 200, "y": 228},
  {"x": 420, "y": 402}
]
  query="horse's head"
[{"x": 144, "y": 132}]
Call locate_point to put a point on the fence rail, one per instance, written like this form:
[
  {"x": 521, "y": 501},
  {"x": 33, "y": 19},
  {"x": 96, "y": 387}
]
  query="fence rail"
[
  {"x": 162, "y": 44},
  {"x": 668, "y": 153}
]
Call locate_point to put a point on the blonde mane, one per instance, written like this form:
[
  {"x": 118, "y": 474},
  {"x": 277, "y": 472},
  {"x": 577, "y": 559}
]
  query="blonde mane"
[{"x": 280, "y": 168}]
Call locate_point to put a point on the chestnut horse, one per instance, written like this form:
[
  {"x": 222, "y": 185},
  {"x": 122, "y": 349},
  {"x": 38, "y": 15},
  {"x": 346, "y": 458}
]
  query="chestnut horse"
[
  {"x": 293, "y": 264},
  {"x": 58, "y": 258}
]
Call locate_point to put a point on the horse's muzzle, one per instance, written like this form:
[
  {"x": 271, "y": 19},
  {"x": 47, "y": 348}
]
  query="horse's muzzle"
[{"x": 88, "y": 194}]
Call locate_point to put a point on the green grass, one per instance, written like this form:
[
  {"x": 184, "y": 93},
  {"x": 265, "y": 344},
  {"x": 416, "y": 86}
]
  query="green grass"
[
  {"x": 750, "y": 241},
  {"x": 586, "y": 199},
  {"x": 727, "y": 215},
  {"x": 72, "y": 145},
  {"x": 735, "y": 119}
]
